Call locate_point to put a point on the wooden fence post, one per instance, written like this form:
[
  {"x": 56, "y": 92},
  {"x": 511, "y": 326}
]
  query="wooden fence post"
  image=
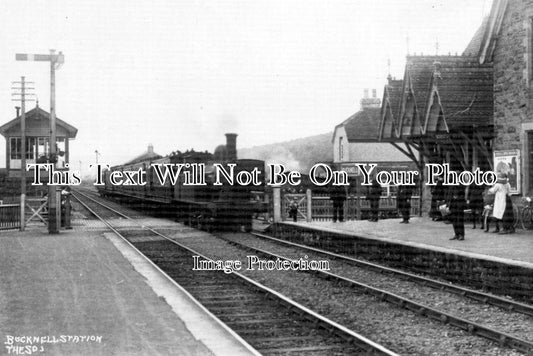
[
  {"x": 358, "y": 213},
  {"x": 309, "y": 196},
  {"x": 276, "y": 193}
]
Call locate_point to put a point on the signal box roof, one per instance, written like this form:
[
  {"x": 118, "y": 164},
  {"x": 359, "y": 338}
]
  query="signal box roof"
[{"x": 37, "y": 124}]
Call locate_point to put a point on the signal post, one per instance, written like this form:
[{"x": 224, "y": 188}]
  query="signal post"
[{"x": 56, "y": 60}]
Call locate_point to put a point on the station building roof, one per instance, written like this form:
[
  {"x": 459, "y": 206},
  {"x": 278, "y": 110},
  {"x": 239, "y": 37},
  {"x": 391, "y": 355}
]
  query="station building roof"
[
  {"x": 149, "y": 154},
  {"x": 362, "y": 126},
  {"x": 437, "y": 94}
]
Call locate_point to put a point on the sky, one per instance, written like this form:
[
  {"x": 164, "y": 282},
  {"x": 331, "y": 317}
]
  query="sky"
[{"x": 180, "y": 74}]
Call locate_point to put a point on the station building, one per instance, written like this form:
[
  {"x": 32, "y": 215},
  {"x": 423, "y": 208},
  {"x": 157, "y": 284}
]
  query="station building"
[
  {"x": 507, "y": 42},
  {"x": 354, "y": 141},
  {"x": 440, "y": 112},
  {"x": 148, "y": 155},
  {"x": 474, "y": 110}
]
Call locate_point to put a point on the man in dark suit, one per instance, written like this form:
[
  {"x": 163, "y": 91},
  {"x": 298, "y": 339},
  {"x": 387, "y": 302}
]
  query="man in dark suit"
[
  {"x": 374, "y": 194},
  {"x": 338, "y": 196},
  {"x": 403, "y": 201},
  {"x": 475, "y": 203},
  {"x": 457, "y": 212}
]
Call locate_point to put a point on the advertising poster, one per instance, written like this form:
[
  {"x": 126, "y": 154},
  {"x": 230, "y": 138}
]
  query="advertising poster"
[{"x": 508, "y": 162}]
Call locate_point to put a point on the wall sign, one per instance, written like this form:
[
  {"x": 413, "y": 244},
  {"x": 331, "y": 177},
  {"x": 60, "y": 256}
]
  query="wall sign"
[{"x": 508, "y": 162}]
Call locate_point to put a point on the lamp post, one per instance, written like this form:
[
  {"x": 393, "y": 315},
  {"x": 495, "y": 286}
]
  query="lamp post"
[{"x": 56, "y": 60}]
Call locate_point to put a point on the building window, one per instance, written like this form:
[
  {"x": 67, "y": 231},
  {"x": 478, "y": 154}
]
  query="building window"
[
  {"x": 30, "y": 147},
  {"x": 341, "y": 150},
  {"x": 529, "y": 56},
  {"x": 530, "y": 159},
  {"x": 528, "y": 72},
  {"x": 36, "y": 147},
  {"x": 15, "y": 148},
  {"x": 42, "y": 147}
]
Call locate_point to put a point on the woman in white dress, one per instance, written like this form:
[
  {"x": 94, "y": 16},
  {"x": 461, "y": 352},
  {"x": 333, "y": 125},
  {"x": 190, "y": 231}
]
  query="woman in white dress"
[{"x": 500, "y": 190}]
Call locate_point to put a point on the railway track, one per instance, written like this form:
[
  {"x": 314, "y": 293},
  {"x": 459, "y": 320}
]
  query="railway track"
[
  {"x": 113, "y": 212},
  {"x": 415, "y": 293},
  {"x": 267, "y": 320},
  {"x": 486, "y": 298},
  {"x": 347, "y": 306}
]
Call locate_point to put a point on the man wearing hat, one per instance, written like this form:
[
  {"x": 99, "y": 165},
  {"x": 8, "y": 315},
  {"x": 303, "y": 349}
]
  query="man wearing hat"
[{"x": 457, "y": 212}]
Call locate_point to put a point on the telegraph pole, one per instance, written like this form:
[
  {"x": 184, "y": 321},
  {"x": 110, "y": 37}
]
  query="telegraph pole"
[
  {"x": 22, "y": 100},
  {"x": 56, "y": 60}
]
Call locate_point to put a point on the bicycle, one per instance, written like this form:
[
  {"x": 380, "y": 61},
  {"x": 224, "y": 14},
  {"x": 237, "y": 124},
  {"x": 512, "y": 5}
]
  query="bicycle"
[
  {"x": 523, "y": 216},
  {"x": 526, "y": 215}
]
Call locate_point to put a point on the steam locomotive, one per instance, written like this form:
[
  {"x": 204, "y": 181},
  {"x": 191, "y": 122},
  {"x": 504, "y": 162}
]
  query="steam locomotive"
[{"x": 197, "y": 188}]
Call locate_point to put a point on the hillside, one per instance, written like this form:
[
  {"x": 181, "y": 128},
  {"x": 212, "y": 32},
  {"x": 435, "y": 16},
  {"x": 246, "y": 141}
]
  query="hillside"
[{"x": 300, "y": 154}]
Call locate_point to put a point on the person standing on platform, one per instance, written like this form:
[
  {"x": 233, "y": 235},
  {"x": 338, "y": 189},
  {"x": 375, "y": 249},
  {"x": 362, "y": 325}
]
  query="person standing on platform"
[
  {"x": 500, "y": 190},
  {"x": 293, "y": 210},
  {"x": 457, "y": 212},
  {"x": 475, "y": 203},
  {"x": 374, "y": 195},
  {"x": 437, "y": 198},
  {"x": 488, "y": 206},
  {"x": 338, "y": 196},
  {"x": 508, "y": 213},
  {"x": 65, "y": 208},
  {"x": 403, "y": 201}
]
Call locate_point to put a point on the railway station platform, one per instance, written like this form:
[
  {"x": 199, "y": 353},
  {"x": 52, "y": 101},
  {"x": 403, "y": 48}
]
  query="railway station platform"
[
  {"x": 85, "y": 292},
  {"x": 436, "y": 235},
  {"x": 502, "y": 264}
]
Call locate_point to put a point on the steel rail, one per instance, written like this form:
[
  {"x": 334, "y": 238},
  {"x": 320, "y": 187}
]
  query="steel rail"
[
  {"x": 167, "y": 277},
  {"x": 94, "y": 200},
  {"x": 354, "y": 338},
  {"x": 477, "y": 329},
  {"x": 497, "y": 301}
]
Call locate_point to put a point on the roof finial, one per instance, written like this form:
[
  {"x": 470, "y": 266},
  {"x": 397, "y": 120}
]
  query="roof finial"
[
  {"x": 437, "y": 47},
  {"x": 36, "y": 102},
  {"x": 388, "y": 66},
  {"x": 407, "y": 43}
]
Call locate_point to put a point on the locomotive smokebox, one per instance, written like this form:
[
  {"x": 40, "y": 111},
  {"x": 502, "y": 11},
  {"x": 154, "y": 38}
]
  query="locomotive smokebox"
[{"x": 231, "y": 146}]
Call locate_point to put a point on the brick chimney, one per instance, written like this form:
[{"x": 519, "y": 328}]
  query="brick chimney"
[
  {"x": 150, "y": 148},
  {"x": 231, "y": 146},
  {"x": 373, "y": 102}
]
